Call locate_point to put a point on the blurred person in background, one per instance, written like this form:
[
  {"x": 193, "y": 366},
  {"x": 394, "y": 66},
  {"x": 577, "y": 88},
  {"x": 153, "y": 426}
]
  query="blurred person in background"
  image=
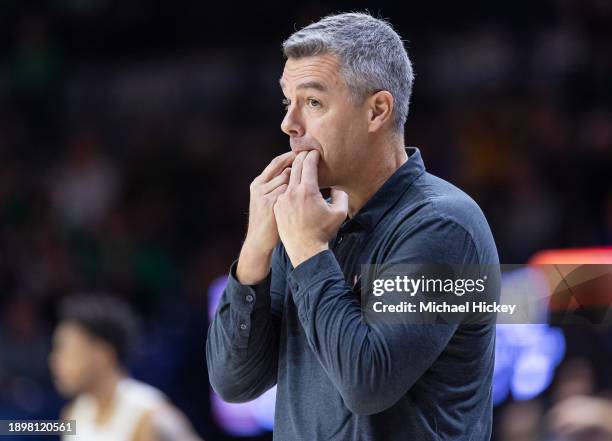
[
  {"x": 520, "y": 421},
  {"x": 90, "y": 347},
  {"x": 577, "y": 413},
  {"x": 85, "y": 183},
  {"x": 582, "y": 418}
]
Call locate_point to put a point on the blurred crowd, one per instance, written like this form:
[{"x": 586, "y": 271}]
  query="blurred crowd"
[{"x": 125, "y": 168}]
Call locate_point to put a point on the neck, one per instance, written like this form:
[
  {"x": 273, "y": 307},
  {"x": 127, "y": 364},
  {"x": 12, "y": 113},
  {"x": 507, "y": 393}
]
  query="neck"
[
  {"x": 374, "y": 172},
  {"x": 104, "y": 390}
]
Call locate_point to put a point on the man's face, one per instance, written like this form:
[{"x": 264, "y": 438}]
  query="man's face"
[
  {"x": 73, "y": 360},
  {"x": 321, "y": 116}
]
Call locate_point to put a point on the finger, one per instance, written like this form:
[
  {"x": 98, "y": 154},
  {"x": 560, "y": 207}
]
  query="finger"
[
  {"x": 274, "y": 194},
  {"x": 283, "y": 178},
  {"x": 310, "y": 176},
  {"x": 296, "y": 170},
  {"x": 276, "y": 166},
  {"x": 339, "y": 202}
]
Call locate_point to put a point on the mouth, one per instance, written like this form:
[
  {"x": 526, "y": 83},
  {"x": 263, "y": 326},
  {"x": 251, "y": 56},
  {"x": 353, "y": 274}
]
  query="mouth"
[{"x": 307, "y": 149}]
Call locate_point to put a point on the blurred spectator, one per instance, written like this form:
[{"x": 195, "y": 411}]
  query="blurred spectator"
[
  {"x": 582, "y": 417},
  {"x": 520, "y": 421},
  {"x": 577, "y": 415},
  {"x": 85, "y": 184}
]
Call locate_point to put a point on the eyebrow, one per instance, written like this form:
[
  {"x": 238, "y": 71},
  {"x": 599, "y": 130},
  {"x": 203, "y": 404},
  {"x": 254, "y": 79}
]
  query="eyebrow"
[{"x": 308, "y": 85}]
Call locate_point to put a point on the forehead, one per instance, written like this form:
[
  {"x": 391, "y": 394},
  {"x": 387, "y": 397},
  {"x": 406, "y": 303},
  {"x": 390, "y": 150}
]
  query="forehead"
[
  {"x": 69, "y": 332},
  {"x": 323, "y": 69}
]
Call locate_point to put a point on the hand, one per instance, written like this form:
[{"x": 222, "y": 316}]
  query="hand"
[
  {"x": 306, "y": 223},
  {"x": 262, "y": 234}
]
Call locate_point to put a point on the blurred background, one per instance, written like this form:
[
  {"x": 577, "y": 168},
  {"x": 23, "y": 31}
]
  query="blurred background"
[{"x": 130, "y": 131}]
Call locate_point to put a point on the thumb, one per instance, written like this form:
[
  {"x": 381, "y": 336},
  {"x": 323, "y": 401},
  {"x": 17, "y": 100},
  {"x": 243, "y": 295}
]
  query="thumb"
[{"x": 339, "y": 203}]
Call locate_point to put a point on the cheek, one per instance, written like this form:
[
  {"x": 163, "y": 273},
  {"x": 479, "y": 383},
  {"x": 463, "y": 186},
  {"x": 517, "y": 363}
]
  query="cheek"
[
  {"x": 335, "y": 132},
  {"x": 330, "y": 132},
  {"x": 70, "y": 367},
  {"x": 357, "y": 124}
]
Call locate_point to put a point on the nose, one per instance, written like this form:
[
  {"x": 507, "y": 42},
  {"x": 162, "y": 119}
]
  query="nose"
[{"x": 292, "y": 125}]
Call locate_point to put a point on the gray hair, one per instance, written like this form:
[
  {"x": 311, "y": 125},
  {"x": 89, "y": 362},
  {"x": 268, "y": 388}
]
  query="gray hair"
[{"x": 371, "y": 54}]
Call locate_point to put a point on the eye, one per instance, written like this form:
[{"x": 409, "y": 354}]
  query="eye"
[
  {"x": 286, "y": 103},
  {"x": 313, "y": 102}
]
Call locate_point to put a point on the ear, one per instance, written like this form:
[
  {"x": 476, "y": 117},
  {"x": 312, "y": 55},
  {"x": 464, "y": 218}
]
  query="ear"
[{"x": 380, "y": 107}]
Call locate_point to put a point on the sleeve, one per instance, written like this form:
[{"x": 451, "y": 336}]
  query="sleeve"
[
  {"x": 242, "y": 341},
  {"x": 373, "y": 366}
]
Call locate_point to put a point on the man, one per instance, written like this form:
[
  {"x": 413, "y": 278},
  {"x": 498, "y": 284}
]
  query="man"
[
  {"x": 90, "y": 346},
  {"x": 289, "y": 315}
]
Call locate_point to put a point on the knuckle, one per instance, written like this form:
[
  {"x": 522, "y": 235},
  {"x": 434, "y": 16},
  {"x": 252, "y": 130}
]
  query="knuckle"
[{"x": 304, "y": 191}]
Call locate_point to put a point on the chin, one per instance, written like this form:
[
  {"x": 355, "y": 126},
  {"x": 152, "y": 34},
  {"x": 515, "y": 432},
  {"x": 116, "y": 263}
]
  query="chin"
[
  {"x": 324, "y": 176},
  {"x": 67, "y": 387},
  {"x": 324, "y": 183},
  {"x": 65, "y": 391}
]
